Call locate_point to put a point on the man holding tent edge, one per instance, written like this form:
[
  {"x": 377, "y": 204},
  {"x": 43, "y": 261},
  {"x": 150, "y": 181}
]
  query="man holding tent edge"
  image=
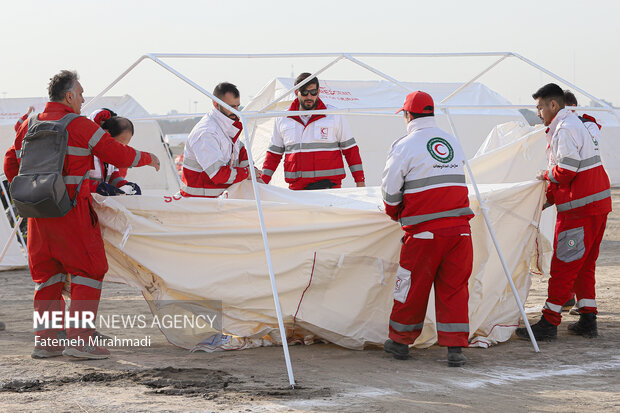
[
  {"x": 424, "y": 190},
  {"x": 214, "y": 157},
  {"x": 312, "y": 145},
  {"x": 579, "y": 187}
]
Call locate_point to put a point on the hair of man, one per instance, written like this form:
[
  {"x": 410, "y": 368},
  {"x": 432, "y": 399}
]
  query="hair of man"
[
  {"x": 304, "y": 76},
  {"x": 60, "y": 84},
  {"x": 422, "y": 115},
  {"x": 569, "y": 98},
  {"x": 117, "y": 125},
  {"x": 224, "y": 88},
  {"x": 549, "y": 92}
]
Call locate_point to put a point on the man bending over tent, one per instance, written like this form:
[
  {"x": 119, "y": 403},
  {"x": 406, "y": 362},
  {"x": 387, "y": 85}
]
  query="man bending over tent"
[
  {"x": 214, "y": 157},
  {"x": 107, "y": 179},
  {"x": 424, "y": 189},
  {"x": 579, "y": 187},
  {"x": 312, "y": 145}
]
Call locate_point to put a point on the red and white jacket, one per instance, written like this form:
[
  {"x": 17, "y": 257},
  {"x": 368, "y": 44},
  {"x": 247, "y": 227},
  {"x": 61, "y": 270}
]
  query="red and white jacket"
[
  {"x": 423, "y": 182},
  {"x": 578, "y": 183},
  {"x": 214, "y": 157},
  {"x": 86, "y": 139},
  {"x": 104, "y": 172},
  {"x": 313, "y": 151}
]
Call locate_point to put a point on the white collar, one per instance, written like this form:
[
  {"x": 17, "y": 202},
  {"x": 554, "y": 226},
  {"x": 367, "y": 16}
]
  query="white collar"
[
  {"x": 560, "y": 116},
  {"x": 225, "y": 123},
  {"x": 421, "y": 123}
]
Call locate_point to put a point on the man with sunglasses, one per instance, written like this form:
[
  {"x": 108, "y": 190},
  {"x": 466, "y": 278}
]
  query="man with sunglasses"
[{"x": 312, "y": 145}]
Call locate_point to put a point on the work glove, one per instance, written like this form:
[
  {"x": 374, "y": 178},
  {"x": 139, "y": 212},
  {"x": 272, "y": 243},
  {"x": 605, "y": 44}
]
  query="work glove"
[
  {"x": 107, "y": 189},
  {"x": 131, "y": 188}
]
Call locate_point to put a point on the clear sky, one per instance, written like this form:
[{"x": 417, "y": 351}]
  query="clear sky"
[{"x": 577, "y": 40}]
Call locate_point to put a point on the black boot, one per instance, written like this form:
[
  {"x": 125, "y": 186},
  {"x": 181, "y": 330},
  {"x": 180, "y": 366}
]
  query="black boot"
[
  {"x": 398, "y": 350},
  {"x": 586, "y": 326},
  {"x": 543, "y": 330},
  {"x": 456, "y": 358}
]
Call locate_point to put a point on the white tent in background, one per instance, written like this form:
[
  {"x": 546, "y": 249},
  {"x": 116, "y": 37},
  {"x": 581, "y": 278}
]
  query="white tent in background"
[
  {"x": 375, "y": 134},
  {"x": 147, "y": 137}
]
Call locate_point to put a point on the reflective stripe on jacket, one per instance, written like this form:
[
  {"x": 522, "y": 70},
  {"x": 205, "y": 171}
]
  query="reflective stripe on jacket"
[
  {"x": 578, "y": 183},
  {"x": 85, "y": 140},
  {"x": 313, "y": 151},
  {"x": 423, "y": 183},
  {"x": 107, "y": 173},
  {"x": 214, "y": 157}
]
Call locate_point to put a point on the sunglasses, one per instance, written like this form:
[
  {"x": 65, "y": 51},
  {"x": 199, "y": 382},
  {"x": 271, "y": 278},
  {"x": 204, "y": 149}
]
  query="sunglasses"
[{"x": 313, "y": 92}]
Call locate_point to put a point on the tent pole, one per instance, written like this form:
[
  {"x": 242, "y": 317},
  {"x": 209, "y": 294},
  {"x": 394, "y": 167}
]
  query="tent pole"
[
  {"x": 378, "y": 72},
  {"x": 8, "y": 201},
  {"x": 478, "y": 76},
  {"x": 495, "y": 242},
  {"x": 194, "y": 84},
  {"x": 111, "y": 85},
  {"x": 274, "y": 288},
  {"x": 8, "y": 242}
]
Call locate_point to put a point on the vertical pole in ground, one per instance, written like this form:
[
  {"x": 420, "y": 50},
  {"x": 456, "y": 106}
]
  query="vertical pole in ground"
[
  {"x": 496, "y": 243},
  {"x": 274, "y": 288}
]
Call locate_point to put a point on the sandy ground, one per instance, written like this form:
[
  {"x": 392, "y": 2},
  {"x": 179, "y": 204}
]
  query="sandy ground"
[{"x": 573, "y": 374}]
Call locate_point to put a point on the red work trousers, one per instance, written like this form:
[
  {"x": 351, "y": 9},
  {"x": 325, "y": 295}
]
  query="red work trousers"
[
  {"x": 67, "y": 245},
  {"x": 575, "y": 250},
  {"x": 445, "y": 261}
]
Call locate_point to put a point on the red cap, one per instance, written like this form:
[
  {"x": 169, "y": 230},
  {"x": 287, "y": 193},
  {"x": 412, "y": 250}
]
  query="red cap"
[{"x": 417, "y": 101}]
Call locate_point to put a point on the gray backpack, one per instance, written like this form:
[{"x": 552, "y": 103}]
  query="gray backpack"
[{"x": 39, "y": 190}]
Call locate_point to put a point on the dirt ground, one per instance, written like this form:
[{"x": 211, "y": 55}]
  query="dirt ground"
[{"x": 573, "y": 374}]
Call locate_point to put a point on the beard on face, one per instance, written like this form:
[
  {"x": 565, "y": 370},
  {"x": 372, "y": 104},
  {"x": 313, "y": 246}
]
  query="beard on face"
[
  {"x": 230, "y": 115},
  {"x": 309, "y": 104}
]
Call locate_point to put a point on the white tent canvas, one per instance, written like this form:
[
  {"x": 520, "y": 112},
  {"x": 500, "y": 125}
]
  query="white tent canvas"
[
  {"x": 375, "y": 134},
  {"x": 147, "y": 137},
  {"x": 211, "y": 249}
]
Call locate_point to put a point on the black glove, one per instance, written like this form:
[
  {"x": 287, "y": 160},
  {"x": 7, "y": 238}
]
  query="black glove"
[
  {"x": 108, "y": 190},
  {"x": 135, "y": 188}
]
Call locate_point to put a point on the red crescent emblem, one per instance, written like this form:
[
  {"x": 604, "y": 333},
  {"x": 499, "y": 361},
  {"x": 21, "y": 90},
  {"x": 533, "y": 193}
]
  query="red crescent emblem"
[{"x": 435, "y": 148}]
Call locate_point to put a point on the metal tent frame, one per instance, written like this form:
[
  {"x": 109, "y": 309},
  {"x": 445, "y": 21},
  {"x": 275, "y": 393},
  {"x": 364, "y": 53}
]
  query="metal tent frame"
[{"x": 444, "y": 106}]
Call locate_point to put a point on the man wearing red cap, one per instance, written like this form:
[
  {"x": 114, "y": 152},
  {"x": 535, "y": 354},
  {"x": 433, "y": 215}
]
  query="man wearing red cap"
[
  {"x": 424, "y": 190},
  {"x": 312, "y": 145}
]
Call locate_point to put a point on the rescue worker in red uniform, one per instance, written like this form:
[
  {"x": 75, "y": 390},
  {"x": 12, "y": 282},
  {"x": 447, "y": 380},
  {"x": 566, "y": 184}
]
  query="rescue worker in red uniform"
[
  {"x": 579, "y": 187},
  {"x": 312, "y": 146},
  {"x": 214, "y": 157},
  {"x": 424, "y": 190},
  {"x": 71, "y": 244},
  {"x": 595, "y": 131}
]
